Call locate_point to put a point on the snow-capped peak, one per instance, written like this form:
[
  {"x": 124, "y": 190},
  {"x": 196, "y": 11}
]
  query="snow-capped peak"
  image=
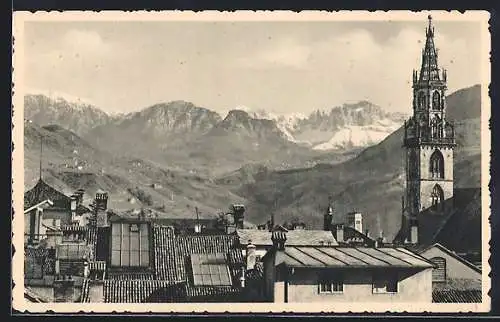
[
  {"x": 59, "y": 96},
  {"x": 359, "y": 136}
]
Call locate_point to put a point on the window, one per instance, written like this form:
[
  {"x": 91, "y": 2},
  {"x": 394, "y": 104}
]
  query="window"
[
  {"x": 436, "y": 167},
  {"x": 385, "y": 283},
  {"x": 210, "y": 270},
  {"x": 421, "y": 100},
  {"x": 436, "y": 100},
  {"x": 439, "y": 273},
  {"x": 331, "y": 283},
  {"x": 130, "y": 245},
  {"x": 437, "y": 196}
]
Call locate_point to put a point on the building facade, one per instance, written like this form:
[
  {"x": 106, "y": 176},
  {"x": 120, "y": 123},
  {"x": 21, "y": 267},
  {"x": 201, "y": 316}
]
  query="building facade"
[
  {"x": 429, "y": 141},
  {"x": 344, "y": 274}
]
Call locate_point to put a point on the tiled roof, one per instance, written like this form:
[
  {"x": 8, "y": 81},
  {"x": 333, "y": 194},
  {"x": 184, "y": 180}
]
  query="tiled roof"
[
  {"x": 42, "y": 191},
  {"x": 301, "y": 237},
  {"x": 81, "y": 209},
  {"x": 456, "y": 296},
  {"x": 140, "y": 291},
  {"x": 73, "y": 228},
  {"x": 97, "y": 266},
  {"x": 458, "y": 227},
  {"x": 349, "y": 257},
  {"x": 462, "y": 231},
  {"x": 84, "y": 298},
  {"x": 172, "y": 252},
  {"x": 458, "y": 284},
  {"x": 130, "y": 276},
  {"x": 33, "y": 296},
  {"x": 212, "y": 294},
  {"x": 422, "y": 249},
  {"x": 91, "y": 237},
  {"x": 456, "y": 290}
]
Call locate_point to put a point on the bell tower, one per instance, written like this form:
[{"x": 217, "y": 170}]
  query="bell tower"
[{"x": 429, "y": 140}]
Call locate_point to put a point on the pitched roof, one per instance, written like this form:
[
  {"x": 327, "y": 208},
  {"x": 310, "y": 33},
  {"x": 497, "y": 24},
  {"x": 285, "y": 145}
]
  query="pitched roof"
[
  {"x": 325, "y": 256},
  {"x": 139, "y": 291},
  {"x": 171, "y": 277},
  {"x": 351, "y": 235},
  {"x": 457, "y": 291},
  {"x": 301, "y": 237},
  {"x": 452, "y": 254},
  {"x": 458, "y": 227},
  {"x": 41, "y": 192},
  {"x": 40, "y": 204},
  {"x": 462, "y": 231},
  {"x": 171, "y": 252},
  {"x": 456, "y": 296},
  {"x": 33, "y": 296}
]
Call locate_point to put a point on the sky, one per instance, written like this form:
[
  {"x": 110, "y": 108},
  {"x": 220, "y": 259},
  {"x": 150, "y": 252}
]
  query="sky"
[{"x": 283, "y": 67}]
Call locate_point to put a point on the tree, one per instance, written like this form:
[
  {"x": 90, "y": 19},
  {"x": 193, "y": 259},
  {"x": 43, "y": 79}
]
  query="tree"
[{"x": 222, "y": 220}]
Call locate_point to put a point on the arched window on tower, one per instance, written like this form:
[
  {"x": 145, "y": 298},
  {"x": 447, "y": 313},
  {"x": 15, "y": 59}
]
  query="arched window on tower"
[
  {"x": 439, "y": 273},
  {"x": 421, "y": 100},
  {"x": 436, "y": 101},
  {"x": 437, "y": 197},
  {"x": 437, "y": 127},
  {"x": 437, "y": 165},
  {"x": 413, "y": 165}
]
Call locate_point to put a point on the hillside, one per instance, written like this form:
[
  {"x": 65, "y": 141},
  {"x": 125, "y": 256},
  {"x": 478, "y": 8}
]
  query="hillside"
[
  {"x": 371, "y": 183},
  {"x": 69, "y": 163},
  {"x": 78, "y": 116},
  {"x": 182, "y": 135}
]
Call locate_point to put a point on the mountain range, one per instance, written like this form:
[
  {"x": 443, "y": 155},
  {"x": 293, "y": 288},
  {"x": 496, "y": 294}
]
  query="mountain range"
[
  {"x": 181, "y": 134},
  {"x": 181, "y": 156},
  {"x": 371, "y": 183}
]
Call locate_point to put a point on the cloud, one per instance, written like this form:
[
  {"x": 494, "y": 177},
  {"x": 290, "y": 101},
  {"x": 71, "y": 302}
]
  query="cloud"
[
  {"x": 359, "y": 67},
  {"x": 84, "y": 42},
  {"x": 286, "y": 53}
]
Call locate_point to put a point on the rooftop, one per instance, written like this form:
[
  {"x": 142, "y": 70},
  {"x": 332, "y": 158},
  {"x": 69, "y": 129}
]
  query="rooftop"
[
  {"x": 41, "y": 192},
  {"x": 457, "y": 291},
  {"x": 363, "y": 257},
  {"x": 301, "y": 237}
]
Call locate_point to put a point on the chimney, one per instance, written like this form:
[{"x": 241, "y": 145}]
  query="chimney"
[
  {"x": 251, "y": 256},
  {"x": 413, "y": 232},
  {"x": 86, "y": 270},
  {"x": 355, "y": 220},
  {"x": 278, "y": 238},
  {"x": 328, "y": 217},
  {"x": 74, "y": 202},
  {"x": 101, "y": 200},
  {"x": 340, "y": 233},
  {"x": 79, "y": 196},
  {"x": 101, "y": 205},
  {"x": 367, "y": 233},
  {"x": 242, "y": 277},
  {"x": 238, "y": 213}
]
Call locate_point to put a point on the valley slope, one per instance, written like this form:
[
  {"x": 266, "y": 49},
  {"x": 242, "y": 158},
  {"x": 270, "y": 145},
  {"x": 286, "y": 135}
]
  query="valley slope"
[{"x": 371, "y": 183}]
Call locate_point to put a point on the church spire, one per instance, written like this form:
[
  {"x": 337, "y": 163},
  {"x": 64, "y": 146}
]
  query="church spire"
[{"x": 429, "y": 70}]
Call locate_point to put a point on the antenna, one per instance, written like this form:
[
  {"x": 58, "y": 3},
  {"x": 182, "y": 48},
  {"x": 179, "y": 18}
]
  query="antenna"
[
  {"x": 41, "y": 147},
  {"x": 197, "y": 214}
]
